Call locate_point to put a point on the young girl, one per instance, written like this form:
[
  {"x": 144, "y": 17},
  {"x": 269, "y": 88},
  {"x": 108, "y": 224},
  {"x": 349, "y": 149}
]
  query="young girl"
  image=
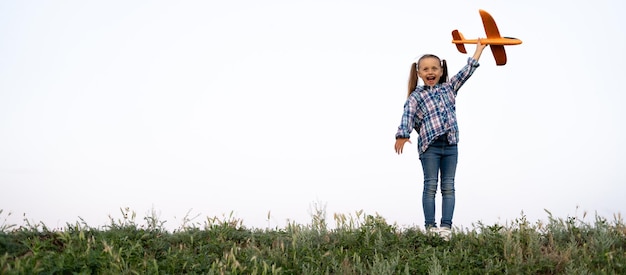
[{"x": 430, "y": 110}]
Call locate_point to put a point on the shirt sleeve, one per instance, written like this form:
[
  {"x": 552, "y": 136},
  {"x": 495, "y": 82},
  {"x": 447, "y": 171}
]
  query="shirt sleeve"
[
  {"x": 408, "y": 118},
  {"x": 464, "y": 74}
]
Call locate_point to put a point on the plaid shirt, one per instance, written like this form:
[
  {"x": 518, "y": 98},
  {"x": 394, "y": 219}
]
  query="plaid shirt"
[{"x": 431, "y": 111}]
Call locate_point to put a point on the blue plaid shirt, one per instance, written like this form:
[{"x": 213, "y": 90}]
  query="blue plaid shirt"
[{"x": 431, "y": 111}]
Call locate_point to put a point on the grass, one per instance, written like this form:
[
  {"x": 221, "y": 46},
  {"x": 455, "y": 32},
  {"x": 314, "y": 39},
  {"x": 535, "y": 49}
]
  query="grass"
[{"x": 358, "y": 244}]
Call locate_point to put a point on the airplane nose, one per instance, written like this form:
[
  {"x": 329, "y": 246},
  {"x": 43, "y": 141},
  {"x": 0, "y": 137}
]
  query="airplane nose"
[{"x": 514, "y": 41}]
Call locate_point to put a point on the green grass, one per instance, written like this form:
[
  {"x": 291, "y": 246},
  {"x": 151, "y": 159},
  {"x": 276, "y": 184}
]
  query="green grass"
[{"x": 357, "y": 244}]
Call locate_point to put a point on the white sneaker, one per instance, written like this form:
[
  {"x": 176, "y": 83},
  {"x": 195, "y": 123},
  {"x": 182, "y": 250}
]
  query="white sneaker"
[
  {"x": 445, "y": 233},
  {"x": 432, "y": 231}
]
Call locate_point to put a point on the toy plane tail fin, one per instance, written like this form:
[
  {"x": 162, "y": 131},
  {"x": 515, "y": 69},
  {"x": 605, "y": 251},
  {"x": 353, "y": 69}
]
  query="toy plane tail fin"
[{"x": 458, "y": 36}]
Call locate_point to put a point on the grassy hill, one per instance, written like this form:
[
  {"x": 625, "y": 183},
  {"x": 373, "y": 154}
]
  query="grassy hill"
[{"x": 358, "y": 244}]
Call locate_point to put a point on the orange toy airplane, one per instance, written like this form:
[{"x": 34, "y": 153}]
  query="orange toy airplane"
[{"x": 494, "y": 40}]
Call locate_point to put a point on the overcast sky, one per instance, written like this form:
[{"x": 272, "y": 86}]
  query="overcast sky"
[{"x": 257, "y": 107}]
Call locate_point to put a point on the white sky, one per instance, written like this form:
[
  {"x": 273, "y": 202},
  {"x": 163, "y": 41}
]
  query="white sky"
[{"x": 272, "y": 106}]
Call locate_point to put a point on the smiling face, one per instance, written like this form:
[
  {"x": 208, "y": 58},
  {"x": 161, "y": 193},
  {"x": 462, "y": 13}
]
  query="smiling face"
[{"x": 429, "y": 70}]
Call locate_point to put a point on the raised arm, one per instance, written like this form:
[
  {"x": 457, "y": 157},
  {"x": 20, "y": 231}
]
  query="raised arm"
[
  {"x": 463, "y": 75},
  {"x": 479, "y": 50}
]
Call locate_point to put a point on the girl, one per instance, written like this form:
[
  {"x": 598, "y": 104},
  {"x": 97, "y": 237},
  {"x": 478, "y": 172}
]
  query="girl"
[{"x": 430, "y": 110}]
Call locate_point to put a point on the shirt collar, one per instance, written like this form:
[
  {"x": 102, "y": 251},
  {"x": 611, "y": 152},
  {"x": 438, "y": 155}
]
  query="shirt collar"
[{"x": 428, "y": 88}]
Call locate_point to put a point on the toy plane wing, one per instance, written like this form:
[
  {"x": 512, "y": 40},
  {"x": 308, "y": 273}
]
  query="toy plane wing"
[{"x": 494, "y": 40}]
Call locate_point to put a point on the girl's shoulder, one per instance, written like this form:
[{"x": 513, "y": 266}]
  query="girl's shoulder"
[{"x": 446, "y": 85}]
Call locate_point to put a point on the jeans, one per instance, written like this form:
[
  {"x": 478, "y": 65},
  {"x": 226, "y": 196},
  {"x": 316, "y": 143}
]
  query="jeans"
[{"x": 440, "y": 156}]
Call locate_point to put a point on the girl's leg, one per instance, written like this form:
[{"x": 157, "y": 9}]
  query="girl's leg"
[
  {"x": 430, "y": 165},
  {"x": 448, "y": 171}
]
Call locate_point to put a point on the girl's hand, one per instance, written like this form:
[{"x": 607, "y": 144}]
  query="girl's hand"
[
  {"x": 479, "y": 45},
  {"x": 400, "y": 144},
  {"x": 479, "y": 49}
]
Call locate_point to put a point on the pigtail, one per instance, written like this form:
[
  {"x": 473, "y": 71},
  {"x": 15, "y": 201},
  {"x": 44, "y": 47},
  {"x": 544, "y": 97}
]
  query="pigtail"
[
  {"x": 444, "y": 76},
  {"x": 412, "y": 79}
]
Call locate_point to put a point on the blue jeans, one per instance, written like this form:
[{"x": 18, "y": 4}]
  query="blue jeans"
[{"x": 440, "y": 156}]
